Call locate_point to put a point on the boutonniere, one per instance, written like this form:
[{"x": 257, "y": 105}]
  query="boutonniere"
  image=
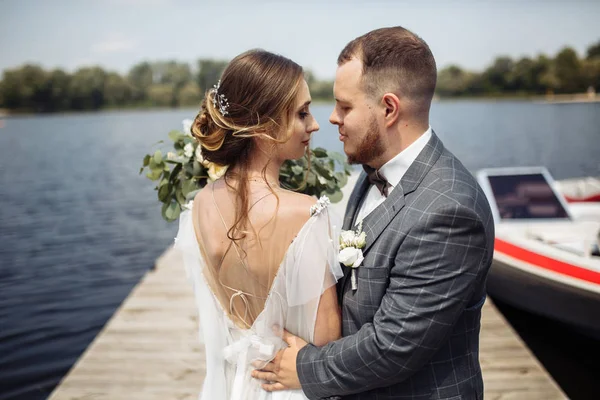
[{"x": 351, "y": 255}]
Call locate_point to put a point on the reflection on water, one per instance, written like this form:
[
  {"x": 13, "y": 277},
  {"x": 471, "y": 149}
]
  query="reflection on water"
[{"x": 80, "y": 226}]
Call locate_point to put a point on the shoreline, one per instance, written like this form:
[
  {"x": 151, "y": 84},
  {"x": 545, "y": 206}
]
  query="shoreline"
[{"x": 574, "y": 98}]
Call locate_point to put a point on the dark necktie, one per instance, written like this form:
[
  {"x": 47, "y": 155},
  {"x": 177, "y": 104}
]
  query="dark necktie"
[{"x": 378, "y": 180}]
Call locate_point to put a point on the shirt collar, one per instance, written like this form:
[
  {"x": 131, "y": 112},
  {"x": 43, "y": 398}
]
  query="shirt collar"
[{"x": 395, "y": 169}]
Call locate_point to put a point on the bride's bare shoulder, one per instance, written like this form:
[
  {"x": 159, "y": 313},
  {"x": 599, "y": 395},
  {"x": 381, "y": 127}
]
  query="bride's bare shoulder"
[{"x": 296, "y": 203}]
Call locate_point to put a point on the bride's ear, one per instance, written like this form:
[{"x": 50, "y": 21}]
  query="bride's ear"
[{"x": 391, "y": 104}]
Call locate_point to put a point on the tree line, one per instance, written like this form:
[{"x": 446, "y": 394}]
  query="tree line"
[
  {"x": 31, "y": 88},
  {"x": 565, "y": 73}
]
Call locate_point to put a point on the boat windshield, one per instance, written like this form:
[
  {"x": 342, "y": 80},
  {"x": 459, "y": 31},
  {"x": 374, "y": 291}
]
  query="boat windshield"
[{"x": 526, "y": 196}]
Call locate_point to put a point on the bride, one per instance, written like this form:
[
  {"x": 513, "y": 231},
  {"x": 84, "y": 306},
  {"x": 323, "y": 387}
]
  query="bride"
[{"x": 260, "y": 257}]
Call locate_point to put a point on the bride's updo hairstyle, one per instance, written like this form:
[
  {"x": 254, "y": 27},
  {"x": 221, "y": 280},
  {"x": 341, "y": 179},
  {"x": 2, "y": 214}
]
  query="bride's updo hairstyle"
[{"x": 255, "y": 98}]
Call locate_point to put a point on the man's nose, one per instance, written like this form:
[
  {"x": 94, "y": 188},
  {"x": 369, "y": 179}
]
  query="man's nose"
[{"x": 333, "y": 118}]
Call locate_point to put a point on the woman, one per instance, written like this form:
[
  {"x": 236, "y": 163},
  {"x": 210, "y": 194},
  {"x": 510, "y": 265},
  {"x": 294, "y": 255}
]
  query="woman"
[{"x": 260, "y": 257}]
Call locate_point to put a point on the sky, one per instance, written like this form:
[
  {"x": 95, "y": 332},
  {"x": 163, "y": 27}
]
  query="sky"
[{"x": 117, "y": 34}]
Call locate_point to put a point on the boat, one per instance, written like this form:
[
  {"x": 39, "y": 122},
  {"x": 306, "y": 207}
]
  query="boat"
[{"x": 546, "y": 256}]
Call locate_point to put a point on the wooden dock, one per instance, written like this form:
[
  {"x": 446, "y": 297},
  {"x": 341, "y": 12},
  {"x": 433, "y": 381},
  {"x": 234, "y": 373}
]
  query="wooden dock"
[{"x": 150, "y": 348}]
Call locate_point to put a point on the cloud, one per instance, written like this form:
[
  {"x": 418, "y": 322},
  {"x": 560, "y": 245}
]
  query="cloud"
[{"x": 114, "y": 45}]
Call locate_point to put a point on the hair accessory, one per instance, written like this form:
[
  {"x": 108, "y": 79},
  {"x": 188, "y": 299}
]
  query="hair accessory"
[{"x": 219, "y": 99}]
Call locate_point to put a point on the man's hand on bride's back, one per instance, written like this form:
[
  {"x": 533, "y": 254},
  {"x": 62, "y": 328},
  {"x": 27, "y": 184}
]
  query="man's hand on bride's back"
[{"x": 281, "y": 371}]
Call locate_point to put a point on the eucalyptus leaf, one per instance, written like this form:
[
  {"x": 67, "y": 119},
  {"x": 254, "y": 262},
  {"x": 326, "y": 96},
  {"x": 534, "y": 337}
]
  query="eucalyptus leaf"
[
  {"x": 154, "y": 175},
  {"x": 196, "y": 168},
  {"x": 176, "y": 171},
  {"x": 320, "y": 152},
  {"x": 175, "y": 135},
  {"x": 297, "y": 170},
  {"x": 342, "y": 178},
  {"x": 334, "y": 155},
  {"x": 336, "y": 196},
  {"x": 164, "y": 192},
  {"x": 179, "y": 196},
  {"x": 172, "y": 212},
  {"x": 191, "y": 195},
  {"x": 323, "y": 171},
  {"x": 158, "y": 157},
  {"x": 188, "y": 186}
]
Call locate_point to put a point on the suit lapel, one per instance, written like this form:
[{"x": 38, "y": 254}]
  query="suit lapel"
[
  {"x": 361, "y": 186},
  {"x": 354, "y": 201},
  {"x": 375, "y": 223}
]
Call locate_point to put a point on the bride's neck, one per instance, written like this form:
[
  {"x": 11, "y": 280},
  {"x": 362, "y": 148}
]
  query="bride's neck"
[{"x": 257, "y": 165}]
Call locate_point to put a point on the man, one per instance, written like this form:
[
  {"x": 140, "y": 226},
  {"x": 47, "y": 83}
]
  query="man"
[{"x": 411, "y": 327}]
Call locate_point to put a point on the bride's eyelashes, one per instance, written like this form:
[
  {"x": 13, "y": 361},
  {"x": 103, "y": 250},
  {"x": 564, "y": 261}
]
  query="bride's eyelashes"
[{"x": 303, "y": 114}]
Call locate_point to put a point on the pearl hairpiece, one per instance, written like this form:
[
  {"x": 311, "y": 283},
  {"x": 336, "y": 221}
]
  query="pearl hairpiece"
[{"x": 219, "y": 99}]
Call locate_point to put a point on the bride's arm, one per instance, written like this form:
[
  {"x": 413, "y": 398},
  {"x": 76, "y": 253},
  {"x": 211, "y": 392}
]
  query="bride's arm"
[{"x": 328, "y": 325}]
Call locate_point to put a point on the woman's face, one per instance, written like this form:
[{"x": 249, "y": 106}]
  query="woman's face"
[{"x": 302, "y": 125}]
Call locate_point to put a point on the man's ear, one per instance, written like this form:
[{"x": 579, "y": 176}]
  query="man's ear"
[{"x": 391, "y": 103}]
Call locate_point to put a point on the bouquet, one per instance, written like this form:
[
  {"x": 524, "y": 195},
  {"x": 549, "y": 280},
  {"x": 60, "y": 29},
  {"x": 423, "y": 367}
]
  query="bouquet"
[{"x": 182, "y": 171}]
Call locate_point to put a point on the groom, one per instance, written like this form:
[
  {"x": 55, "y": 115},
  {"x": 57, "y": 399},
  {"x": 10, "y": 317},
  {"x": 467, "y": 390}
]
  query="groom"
[{"x": 411, "y": 327}]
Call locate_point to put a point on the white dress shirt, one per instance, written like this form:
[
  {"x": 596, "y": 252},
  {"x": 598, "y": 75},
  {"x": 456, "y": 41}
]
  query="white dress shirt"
[{"x": 393, "y": 171}]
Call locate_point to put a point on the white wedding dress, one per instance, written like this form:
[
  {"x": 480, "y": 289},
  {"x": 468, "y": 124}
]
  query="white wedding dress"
[{"x": 308, "y": 268}]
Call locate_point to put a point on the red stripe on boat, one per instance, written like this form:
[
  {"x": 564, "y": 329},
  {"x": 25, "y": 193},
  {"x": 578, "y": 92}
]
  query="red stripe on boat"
[
  {"x": 589, "y": 199},
  {"x": 546, "y": 262}
]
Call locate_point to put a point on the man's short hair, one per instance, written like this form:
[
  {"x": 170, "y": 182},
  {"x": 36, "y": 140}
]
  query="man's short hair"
[{"x": 394, "y": 60}]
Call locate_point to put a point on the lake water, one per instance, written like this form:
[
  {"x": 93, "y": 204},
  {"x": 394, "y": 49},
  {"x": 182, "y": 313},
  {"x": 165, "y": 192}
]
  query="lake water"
[{"x": 79, "y": 227}]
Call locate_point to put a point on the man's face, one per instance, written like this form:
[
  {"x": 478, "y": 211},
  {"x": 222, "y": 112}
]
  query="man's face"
[{"x": 354, "y": 114}]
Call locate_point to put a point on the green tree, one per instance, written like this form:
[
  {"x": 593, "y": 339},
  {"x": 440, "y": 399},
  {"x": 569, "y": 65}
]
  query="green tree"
[
  {"x": 117, "y": 90},
  {"x": 174, "y": 74},
  {"x": 568, "y": 71},
  {"x": 26, "y": 88},
  {"x": 591, "y": 73},
  {"x": 161, "y": 94},
  {"x": 209, "y": 72},
  {"x": 452, "y": 81},
  {"x": 87, "y": 89},
  {"x": 496, "y": 77},
  {"x": 593, "y": 51},
  {"x": 522, "y": 76},
  {"x": 140, "y": 77},
  {"x": 189, "y": 95}
]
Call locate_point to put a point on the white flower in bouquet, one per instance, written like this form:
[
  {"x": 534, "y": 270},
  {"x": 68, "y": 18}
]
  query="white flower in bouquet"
[
  {"x": 188, "y": 150},
  {"x": 174, "y": 157},
  {"x": 187, "y": 127},
  {"x": 216, "y": 171},
  {"x": 199, "y": 157}
]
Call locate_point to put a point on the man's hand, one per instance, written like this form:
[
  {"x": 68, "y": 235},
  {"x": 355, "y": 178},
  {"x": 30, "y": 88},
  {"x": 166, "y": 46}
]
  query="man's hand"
[{"x": 281, "y": 371}]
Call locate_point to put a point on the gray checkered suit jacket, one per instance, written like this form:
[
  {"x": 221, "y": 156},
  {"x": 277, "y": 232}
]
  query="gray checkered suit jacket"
[{"x": 411, "y": 330}]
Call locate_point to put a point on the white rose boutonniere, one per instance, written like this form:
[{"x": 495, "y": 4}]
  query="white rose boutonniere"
[{"x": 351, "y": 255}]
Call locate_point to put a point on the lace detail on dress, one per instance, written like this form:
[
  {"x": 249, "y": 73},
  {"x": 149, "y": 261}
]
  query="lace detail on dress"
[{"x": 319, "y": 206}]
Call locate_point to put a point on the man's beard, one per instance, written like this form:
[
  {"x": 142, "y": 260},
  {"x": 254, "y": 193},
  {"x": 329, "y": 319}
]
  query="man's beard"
[{"x": 370, "y": 148}]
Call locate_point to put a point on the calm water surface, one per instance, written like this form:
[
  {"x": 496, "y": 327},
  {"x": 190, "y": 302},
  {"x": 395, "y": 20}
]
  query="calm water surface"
[{"x": 79, "y": 226}]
